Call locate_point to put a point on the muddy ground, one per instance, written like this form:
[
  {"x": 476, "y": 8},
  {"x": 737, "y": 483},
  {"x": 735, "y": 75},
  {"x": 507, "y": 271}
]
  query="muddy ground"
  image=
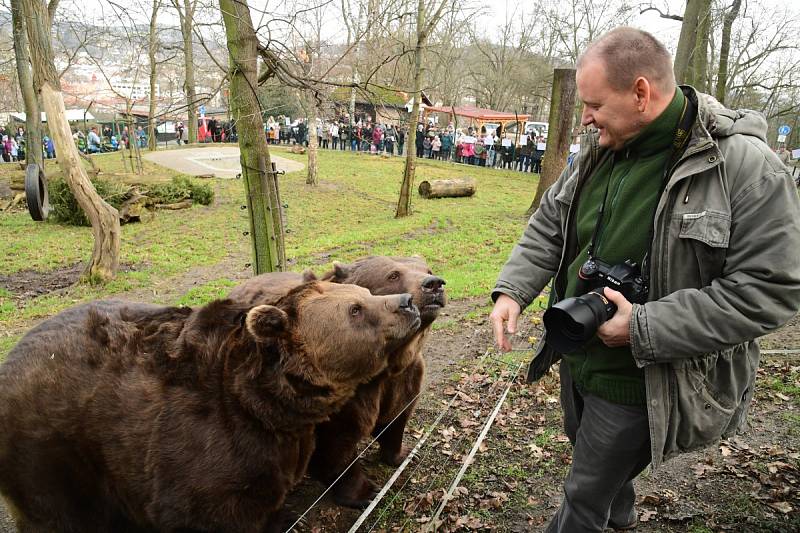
[{"x": 749, "y": 484}]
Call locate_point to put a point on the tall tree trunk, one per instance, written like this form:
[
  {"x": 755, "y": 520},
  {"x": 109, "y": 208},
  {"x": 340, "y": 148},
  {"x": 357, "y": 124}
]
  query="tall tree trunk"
[
  {"x": 103, "y": 217},
  {"x": 313, "y": 142},
  {"x": 151, "y": 55},
  {"x": 558, "y": 137},
  {"x": 186, "y": 15},
  {"x": 699, "y": 67},
  {"x": 725, "y": 49},
  {"x": 33, "y": 116},
  {"x": 404, "y": 202},
  {"x": 263, "y": 199},
  {"x": 687, "y": 40}
]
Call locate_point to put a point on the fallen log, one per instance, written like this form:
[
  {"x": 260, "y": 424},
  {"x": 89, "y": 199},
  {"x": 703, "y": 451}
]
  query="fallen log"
[
  {"x": 448, "y": 188},
  {"x": 178, "y": 205}
]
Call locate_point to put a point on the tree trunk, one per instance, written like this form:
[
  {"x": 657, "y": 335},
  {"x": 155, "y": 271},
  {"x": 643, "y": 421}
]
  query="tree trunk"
[
  {"x": 452, "y": 188},
  {"x": 313, "y": 140},
  {"x": 33, "y": 115},
  {"x": 699, "y": 68},
  {"x": 263, "y": 199},
  {"x": 103, "y": 217},
  {"x": 687, "y": 40},
  {"x": 187, "y": 21},
  {"x": 152, "y": 41},
  {"x": 404, "y": 202},
  {"x": 560, "y": 132},
  {"x": 725, "y": 49}
]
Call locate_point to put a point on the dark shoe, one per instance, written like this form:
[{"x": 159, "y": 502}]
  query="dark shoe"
[{"x": 629, "y": 527}]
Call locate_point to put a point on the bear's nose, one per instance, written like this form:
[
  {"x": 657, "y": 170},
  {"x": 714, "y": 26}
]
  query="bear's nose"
[
  {"x": 405, "y": 301},
  {"x": 432, "y": 283}
]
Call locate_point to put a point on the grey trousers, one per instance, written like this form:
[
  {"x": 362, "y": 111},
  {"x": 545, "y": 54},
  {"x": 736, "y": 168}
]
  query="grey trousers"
[{"x": 611, "y": 447}]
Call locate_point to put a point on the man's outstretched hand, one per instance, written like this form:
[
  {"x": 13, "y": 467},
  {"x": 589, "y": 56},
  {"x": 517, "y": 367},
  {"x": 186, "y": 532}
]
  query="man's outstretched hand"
[{"x": 506, "y": 310}]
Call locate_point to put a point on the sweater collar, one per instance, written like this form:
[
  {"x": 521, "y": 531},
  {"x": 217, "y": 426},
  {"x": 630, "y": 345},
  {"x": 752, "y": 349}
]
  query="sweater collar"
[{"x": 658, "y": 135}]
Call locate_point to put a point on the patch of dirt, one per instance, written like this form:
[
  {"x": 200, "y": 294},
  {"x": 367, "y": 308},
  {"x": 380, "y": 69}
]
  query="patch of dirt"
[{"x": 27, "y": 284}]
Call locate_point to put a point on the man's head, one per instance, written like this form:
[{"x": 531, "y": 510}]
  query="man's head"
[{"x": 625, "y": 81}]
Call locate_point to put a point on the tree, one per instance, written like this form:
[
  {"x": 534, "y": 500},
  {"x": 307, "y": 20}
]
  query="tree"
[
  {"x": 690, "y": 64},
  {"x": 724, "y": 50},
  {"x": 186, "y": 16},
  {"x": 152, "y": 43},
  {"x": 424, "y": 28},
  {"x": 263, "y": 199},
  {"x": 104, "y": 218},
  {"x": 33, "y": 118},
  {"x": 560, "y": 133}
]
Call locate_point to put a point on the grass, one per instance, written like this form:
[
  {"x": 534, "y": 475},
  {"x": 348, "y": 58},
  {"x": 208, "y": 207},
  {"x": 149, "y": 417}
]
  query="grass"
[{"x": 350, "y": 214}]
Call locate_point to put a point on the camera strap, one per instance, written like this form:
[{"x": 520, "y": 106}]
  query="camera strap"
[{"x": 680, "y": 138}]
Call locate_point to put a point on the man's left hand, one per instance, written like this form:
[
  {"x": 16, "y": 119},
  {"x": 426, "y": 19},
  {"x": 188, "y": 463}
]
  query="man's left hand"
[{"x": 616, "y": 331}]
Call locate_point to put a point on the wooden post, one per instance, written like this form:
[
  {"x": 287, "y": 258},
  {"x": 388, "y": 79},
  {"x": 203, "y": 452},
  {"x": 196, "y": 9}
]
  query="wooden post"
[
  {"x": 559, "y": 132},
  {"x": 261, "y": 186}
]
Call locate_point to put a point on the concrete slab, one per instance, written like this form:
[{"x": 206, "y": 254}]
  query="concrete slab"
[{"x": 220, "y": 160}]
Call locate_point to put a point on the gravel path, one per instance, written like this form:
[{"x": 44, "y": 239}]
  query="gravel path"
[{"x": 221, "y": 160}]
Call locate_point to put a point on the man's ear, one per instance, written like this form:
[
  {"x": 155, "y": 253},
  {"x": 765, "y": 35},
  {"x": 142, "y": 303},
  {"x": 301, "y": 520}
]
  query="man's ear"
[
  {"x": 340, "y": 271},
  {"x": 267, "y": 321},
  {"x": 643, "y": 90}
]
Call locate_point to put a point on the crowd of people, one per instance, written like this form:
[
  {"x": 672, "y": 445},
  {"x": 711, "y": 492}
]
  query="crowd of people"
[{"x": 13, "y": 145}]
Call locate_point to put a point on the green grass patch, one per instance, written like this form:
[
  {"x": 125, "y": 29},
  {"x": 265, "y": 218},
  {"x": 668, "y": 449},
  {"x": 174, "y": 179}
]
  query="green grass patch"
[
  {"x": 789, "y": 389},
  {"x": 213, "y": 290},
  {"x": 348, "y": 215}
]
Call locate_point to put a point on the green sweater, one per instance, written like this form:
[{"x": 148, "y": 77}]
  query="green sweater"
[{"x": 633, "y": 189}]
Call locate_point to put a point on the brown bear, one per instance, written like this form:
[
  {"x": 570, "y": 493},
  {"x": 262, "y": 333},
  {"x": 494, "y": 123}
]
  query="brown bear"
[
  {"x": 124, "y": 417},
  {"x": 391, "y": 396}
]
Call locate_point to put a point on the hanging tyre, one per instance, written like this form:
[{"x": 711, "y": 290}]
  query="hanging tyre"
[{"x": 36, "y": 192}]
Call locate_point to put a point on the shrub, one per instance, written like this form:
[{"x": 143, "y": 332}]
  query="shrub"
[
  {"x": 65, "y": 209},
  {"x": 179, "y": 189}
]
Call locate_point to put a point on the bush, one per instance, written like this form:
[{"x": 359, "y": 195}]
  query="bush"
[
  {"x": 179, "y": 189},
  {"x": 65, "y": 209}
]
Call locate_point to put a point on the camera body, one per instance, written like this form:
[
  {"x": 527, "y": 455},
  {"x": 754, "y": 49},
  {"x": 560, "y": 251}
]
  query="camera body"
[
  {"x": 572, "y": 322},
  {"x": 625, "y": 277}
]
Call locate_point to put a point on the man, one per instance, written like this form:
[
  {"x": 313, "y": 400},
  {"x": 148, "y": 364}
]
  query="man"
[
  {"x": 671, "y": 179},
  {"x": 93, "y": 141}
]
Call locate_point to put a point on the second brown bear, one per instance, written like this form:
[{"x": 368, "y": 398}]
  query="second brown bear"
[{"x": 382, "y": 406}]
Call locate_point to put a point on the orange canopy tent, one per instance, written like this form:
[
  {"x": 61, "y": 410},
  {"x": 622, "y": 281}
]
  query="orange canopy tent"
[{"x": 477, "y": 116}]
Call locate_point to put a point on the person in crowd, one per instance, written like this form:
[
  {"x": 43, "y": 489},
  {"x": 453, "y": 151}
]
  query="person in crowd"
[
  {"x": 675, "y": 369},
  {"x": 426, "y": 146},
  {"x": 420, "y": 141},
  {"x": 784, "y": 155},
  {"x": 94, "y": 143},
  {"x": 377, "y": 139},
  {"x": 80, "y": 141},
  {"x": 344, "y": 135},
  {"x": 391, "y": 137},
  {"x": 436, "y": 147},
  {"x": 49, "y": 147},
  {"x": 468, "y": 150},
  {"x": 402, "y": 133},
  {"x": 334, "y": 132},
  {"x": 524, "y": 154},
  {"x": 537, "y": 155},
  {"x": 447, "y": 144}
]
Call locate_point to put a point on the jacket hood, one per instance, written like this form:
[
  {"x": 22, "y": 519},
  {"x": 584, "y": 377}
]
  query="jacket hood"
[{"x": 723, "y": 122}]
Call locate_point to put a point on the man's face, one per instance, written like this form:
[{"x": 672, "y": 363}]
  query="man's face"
[{"x": 615, "y": 114}]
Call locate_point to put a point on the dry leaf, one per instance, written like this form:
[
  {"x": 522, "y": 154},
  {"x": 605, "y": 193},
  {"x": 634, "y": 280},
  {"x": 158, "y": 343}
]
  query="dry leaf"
[
  {"x": 784, "y": 507},
  {"x": 647, "y": 515}
]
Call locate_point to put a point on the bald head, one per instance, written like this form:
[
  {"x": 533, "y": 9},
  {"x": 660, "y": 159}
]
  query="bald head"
[{"x": 628, "y": 54}]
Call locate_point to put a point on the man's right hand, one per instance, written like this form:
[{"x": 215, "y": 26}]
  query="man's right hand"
[{"x": 505, "y": 310}]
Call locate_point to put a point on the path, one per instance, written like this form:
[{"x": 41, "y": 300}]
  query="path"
[{"x": 217, "y": 159}]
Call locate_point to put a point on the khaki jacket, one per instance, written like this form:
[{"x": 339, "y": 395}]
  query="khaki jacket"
[{"x": 724, "y": 270}]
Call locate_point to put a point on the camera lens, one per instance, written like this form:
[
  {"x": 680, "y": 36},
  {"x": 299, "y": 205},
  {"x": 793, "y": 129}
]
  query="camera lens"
[{"x": 573, "y": 322}]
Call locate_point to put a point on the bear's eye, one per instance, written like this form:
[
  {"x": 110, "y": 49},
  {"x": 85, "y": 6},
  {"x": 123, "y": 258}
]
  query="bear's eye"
[
  {"x": 394, "y": 276},
  {"x": 355, "y": 310}
]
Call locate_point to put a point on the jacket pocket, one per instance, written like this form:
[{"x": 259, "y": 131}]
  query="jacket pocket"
[
  {"x": 709, "y": 390},
  {"x": 708, "y": 234}
]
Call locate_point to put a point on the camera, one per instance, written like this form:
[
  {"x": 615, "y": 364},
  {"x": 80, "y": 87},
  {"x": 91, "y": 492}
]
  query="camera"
[{"x": 571, "y": 323}]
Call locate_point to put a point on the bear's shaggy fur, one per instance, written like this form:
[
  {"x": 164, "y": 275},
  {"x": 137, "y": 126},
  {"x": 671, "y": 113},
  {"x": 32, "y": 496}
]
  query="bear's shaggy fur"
[
  {"x": 382, "y": 406},
  {"x": 123, "y": 417}
]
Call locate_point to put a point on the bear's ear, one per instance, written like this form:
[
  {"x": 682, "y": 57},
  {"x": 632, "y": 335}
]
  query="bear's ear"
[
  {"x": 267, "y": 321},
  {"x": 340, "y": 271},
  {"x": 308, "y": 275}
]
